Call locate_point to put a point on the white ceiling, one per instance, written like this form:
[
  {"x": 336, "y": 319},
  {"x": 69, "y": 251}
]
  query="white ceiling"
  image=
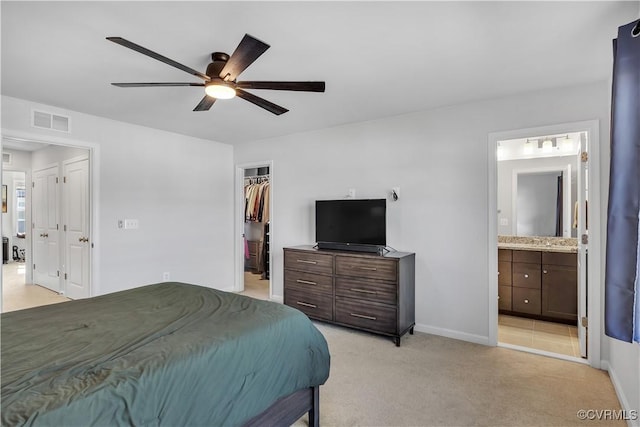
[{"x": 378, "y": 58}]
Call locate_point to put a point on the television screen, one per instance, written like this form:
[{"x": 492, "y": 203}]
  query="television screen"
[{"x": 352, "y": 221}]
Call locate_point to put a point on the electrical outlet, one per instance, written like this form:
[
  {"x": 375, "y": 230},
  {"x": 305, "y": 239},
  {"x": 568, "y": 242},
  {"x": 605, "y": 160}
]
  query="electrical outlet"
[
  {"x": 504, "y": 221},
  {"x": 166, "y": 276}
]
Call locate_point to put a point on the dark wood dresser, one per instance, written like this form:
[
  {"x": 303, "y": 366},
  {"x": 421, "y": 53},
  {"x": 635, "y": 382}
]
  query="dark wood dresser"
[{"x": 370, "y": 292}]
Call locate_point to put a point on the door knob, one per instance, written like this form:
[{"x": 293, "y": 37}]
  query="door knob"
[{"x": 45, "y": 235}]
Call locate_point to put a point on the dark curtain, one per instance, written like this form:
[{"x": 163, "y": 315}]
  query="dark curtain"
[
  {"x": 559, "y": 213},
  {"x": 621, "y": 281}
]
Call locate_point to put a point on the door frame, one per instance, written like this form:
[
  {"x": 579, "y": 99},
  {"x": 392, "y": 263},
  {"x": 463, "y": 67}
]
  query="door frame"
[
  {"x": 238, "y": 285},
  {"x": 594, "y": 290},
  {"x": 94, "y": 195}
]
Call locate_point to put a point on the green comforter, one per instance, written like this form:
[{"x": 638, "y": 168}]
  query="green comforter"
[{"x": 167, "y": 354}]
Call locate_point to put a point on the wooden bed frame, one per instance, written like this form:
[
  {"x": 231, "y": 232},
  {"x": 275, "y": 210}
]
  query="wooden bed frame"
[{"x": 287, "y": 410}]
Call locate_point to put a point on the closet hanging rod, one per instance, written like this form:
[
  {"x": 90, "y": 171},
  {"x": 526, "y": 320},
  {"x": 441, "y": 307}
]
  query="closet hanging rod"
[{"x": 256, "y": 176}]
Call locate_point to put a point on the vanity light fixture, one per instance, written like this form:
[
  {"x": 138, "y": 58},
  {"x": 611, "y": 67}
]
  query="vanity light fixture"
[
  {"x": 528, "y": 147},
  {"x": 566, "y": 143}
]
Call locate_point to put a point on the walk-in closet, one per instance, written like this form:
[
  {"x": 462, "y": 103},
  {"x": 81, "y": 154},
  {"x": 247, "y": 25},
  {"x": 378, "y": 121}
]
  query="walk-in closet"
[{"x": 256, "y": 232}]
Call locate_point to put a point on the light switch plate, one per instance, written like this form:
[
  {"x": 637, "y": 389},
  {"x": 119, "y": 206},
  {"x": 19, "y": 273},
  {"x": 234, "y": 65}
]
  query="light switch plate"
[{"x": 131, "y": 224}]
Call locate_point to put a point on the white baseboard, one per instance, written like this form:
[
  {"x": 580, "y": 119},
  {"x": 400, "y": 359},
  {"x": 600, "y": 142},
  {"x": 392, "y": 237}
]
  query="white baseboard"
[
  {"x": 624, "y": 402},
  {"x": 450, "y": 333}
]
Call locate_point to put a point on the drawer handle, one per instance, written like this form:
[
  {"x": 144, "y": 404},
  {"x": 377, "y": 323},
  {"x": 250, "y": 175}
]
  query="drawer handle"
[
  {"x": 364, "y": 291},
  {"x": 526, "y": 301},
  {"x": 544, "y": 271},
  {"x": 307, "y": 262},
  {"x": 526, "y": 276},
  {"x": 306, "y": 304},
  {"x": 368, "y": 268},
  {"x": 306, "y": 282},
  {"x": 498, "y": 273},
  {"x": 362, "y": 316}
]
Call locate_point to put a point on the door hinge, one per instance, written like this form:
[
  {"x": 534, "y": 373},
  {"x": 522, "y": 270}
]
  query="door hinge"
[
  {"x": 584, "y": 157},
  {"x": 584, "y": 322},
  {"x": 585, "y": 239},
  {"x": 56, "y": 180}
]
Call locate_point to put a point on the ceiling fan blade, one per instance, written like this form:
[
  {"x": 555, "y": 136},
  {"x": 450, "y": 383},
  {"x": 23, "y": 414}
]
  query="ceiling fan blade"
[
  {"x": 205, "y": 103},
  {"x": 157, "y": 56},
  {"x": 299, "y": 86},
  {"x": 247, "y": 51},
  {"x": 261, "y": 102},
  {"x": 155, "y": 84}
]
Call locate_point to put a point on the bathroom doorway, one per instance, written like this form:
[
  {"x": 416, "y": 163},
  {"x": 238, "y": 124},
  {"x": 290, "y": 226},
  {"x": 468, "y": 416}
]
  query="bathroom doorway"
[{"x": 540, "y": 254}]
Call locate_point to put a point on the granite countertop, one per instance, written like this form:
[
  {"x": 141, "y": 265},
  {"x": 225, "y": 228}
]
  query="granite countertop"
[{"x": 542, "y": 243}]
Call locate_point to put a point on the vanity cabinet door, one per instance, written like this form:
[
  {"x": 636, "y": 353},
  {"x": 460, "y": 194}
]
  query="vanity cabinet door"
[
  {"x": 560, "y": 292},
  {"x": 504, "y": 273},
  {"x": 504, "y": 298}
]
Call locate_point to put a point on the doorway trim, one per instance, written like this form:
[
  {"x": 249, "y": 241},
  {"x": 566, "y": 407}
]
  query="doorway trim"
[
  {"x": 238, "y": 285},
  {"x": 594, "y": 309},
  {"x": 94, "y": 189}
]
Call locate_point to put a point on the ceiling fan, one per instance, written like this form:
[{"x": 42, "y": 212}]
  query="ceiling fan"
[{"x": 220, "y": 77}]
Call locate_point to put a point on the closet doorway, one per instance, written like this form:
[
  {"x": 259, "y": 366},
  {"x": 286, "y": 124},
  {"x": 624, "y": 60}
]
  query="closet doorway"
[
  {"x": 57, "y": 264},
  {"x": 254, "y": 216}
]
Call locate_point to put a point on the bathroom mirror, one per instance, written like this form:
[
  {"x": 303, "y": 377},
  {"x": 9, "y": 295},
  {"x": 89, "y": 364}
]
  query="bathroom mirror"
[{"x": 537, "y": 196}]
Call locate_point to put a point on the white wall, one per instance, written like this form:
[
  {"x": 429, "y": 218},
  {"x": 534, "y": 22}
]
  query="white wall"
[
  {"x": 438, "y": 159},
  {"x": 179, "y": 188},
  {"x": 55, "y": 154}
]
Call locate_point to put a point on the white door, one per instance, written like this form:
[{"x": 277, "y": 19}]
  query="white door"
[
  {"x": 46, "y": 249},
  {"x": 76, "y": 226},
  {"x": 583, "y": 241}
]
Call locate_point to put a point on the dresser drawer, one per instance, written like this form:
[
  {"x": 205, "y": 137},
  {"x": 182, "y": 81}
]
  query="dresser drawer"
[
  {"x": 368, "y": 290},
  {"x": 313, "y": 304},
  {"x": 526, "y": 275},
  {"x": 504, "y": 273},
  {"x": 383, "y": 269},
  {"x": 304, "y": 281},
  {"x": 308, "y": 261},
  {"x": 371, "y": 316},
  {"x": 526, "y": 300}
]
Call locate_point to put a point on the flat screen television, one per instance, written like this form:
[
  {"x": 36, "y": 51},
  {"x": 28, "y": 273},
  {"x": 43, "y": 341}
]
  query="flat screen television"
[{"x": 351, "y": 224}]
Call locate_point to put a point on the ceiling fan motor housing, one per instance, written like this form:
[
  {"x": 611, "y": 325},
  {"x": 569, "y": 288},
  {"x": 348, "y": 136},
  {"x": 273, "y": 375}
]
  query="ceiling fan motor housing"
[{"x": 219, "y": 61}]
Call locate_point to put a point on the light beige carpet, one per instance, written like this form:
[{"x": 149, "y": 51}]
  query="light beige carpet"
[{"x": 436, "y": 381}]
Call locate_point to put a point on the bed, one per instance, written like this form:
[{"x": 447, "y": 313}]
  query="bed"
[{"x": 170, "y": 354}]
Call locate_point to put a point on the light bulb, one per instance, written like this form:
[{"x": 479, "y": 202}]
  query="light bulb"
[
  {"x": 566, "y": 144},
  {"x": 220, "y": 90},
  {"x": 528, "y": 147},
  {"x": 547, "y": 146}
]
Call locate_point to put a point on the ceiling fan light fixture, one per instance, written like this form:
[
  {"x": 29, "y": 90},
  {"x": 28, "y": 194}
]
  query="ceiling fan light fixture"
[{"x": 220, "y": 90}]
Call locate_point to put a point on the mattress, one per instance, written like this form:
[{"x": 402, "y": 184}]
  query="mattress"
[{"x": 170, "y": 354}]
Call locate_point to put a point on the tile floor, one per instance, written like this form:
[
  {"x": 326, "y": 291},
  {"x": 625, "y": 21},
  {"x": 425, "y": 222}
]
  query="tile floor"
[
  {"x": 548, "y": 336},
  {"x": 17, "y": 295}
]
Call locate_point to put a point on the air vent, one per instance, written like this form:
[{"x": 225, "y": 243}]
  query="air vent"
[
  {"x": 6, "y": 158},
  {"x": 42, "y": 119}
]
